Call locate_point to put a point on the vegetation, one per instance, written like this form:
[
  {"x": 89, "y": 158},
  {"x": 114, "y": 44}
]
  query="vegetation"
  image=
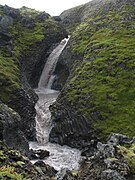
[
  {"x": 15, "y": 166},
  {"x": 9, "y": 172},
  {"x": 102, "y": 86},
  {"x": 9, "y": 77},
  {"x": 129, "y": 154},
  {"x": 29, "y": 29}
]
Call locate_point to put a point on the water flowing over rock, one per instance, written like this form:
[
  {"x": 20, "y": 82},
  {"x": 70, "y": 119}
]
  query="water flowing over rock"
[
  {"x": 51, "y": 63},
  {"x": 60, "y": 156}
]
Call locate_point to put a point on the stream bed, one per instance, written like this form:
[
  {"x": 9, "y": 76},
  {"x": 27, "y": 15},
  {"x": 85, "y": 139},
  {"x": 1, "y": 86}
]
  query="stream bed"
[{"x": 61, "y": 157}]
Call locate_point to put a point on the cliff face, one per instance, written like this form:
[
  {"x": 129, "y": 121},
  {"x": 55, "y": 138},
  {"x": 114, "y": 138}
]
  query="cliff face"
[
  {"x": 99, "y": 93},
  {"x": 26, "y": 37}
]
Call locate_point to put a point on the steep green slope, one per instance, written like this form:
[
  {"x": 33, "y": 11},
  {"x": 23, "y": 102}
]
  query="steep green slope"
[
  {"x": 102, "y": 86},
  {"x": 26, "y": 37},
  {"x": 23, "y": 32}
]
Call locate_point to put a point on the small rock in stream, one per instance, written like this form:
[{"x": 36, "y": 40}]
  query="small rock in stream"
[
  {"x": 38, "y": 154},
  {"x": 48, "y": 170}
]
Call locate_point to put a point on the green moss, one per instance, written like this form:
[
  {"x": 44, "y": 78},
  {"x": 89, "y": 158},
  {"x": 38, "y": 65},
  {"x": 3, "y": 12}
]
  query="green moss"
[
  {"x": 9, "y": 77},
  {"x": 32, "y": 13},
  {"x": 71, "y": 27},
  {"x": 129, "y": 154},
  {"x": 26, "y": 40},
  {"x": 9, "y": 172},
  {"x": 102, "y": 86},
  {"x": 2, "y": 155}
]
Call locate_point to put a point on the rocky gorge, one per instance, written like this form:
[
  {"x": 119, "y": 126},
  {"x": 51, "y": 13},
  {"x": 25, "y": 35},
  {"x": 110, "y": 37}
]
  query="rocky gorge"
[{"x": 94, "y": 111}]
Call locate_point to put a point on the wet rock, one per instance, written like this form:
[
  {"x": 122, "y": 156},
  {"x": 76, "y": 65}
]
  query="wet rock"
[
  {"x": 65, "y": 174},
  {"x": 48, "y": 170},
  {"x": 62, "y": 70},
  {"x": 30, "y": 64},
  {"x": 24, "y": 104},
  {"x": 32, "y": 154},
  {"x": 90, "y": 149},
  {"x": 40, "y": 154},
  {"x": 70, "y": 131}
]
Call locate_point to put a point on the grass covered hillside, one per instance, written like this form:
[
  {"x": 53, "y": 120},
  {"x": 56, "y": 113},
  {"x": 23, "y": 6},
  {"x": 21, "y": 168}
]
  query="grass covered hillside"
[
  {"x": 22, "y": 33},
  {"x": 102, "y": 86}
]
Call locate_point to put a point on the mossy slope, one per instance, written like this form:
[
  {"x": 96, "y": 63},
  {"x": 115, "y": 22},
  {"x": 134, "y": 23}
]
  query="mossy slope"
[
  {"x": 102, "y": 86},
  {"x": 25, "y": 30}
]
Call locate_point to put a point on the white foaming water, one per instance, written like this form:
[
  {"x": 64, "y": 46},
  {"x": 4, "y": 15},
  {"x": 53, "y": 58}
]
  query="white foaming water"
[
  {"x": 60, "y": 156},
  {"x": 51, "y": 64}
]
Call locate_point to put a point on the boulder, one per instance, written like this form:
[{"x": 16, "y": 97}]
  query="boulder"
[
  {"x": 46, "y": 169},
  {"x": 38, "y": 154}
]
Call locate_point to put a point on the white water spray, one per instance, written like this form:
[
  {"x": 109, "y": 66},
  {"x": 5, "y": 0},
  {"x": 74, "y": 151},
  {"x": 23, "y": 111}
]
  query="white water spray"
[{"x": 60, "y": 156}]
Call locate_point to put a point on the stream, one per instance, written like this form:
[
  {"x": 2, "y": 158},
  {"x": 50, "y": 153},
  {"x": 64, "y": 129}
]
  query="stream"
[{"x": 61, "y": 157}]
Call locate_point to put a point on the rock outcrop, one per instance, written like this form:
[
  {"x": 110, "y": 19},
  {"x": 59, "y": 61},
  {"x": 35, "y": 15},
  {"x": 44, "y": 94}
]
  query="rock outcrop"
[
  {"x": 26, "y": 38},
  {"x": 13, "y": 165},
  {"x": 10, "y": 129},
  {"x": 110, "y": 161},
  {"x": 100, "y": 63}
]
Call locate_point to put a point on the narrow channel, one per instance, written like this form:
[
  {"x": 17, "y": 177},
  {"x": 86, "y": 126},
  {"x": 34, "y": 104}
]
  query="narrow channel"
[{"x": 61, "y": 157}]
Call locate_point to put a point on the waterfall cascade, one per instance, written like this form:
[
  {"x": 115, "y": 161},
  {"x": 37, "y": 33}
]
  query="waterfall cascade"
[{"x": 60, "y": 156}]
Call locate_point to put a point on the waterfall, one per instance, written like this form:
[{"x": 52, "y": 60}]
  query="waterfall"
[
  {"x": 51, "y": 64},
  {"x": 60, "y": 156}
]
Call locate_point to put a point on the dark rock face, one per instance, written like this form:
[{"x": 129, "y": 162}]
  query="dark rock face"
[
  {"x": 10, "y": 129},
  {"x": 70, "y": 131},
  {"x": 28, "y": 56},
  {"x": 33, "y": 64},
  {"x": 62, "y": 70},
  {"x": 24, "y": 104}
]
